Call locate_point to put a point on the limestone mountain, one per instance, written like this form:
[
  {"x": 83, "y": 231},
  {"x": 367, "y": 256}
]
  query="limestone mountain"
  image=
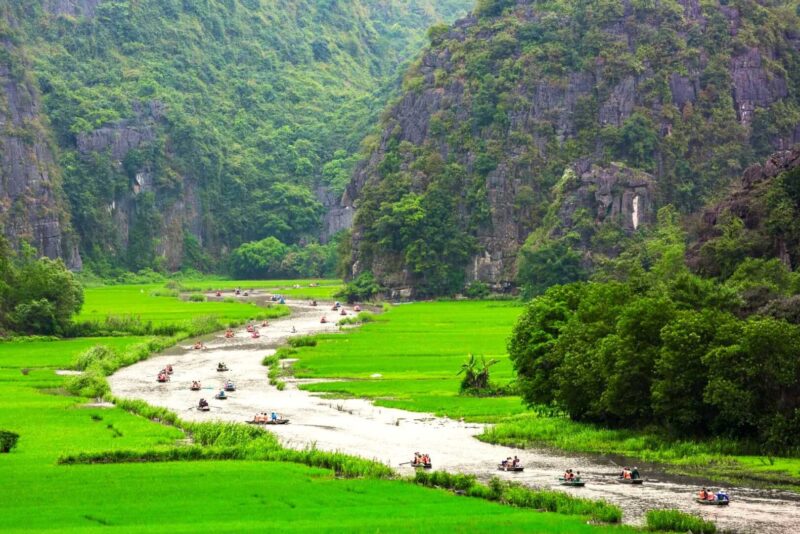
[
  {"x": 547, "y": 125},
  {"x": 169, "y": 132}
]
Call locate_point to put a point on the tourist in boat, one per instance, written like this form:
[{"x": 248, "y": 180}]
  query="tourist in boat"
[
  {"x": 294, "y": 330},
  {"x": 504, "y": 463},
  {"x": 169, "y": 369},
  {"x": 515, "y": 462},
  {"x": 426, "y": 459},
  {"x": 195, "y": 384},
  {"x": 357, "y": 308},
  {"x": 313, "y": 302},
  {"x": 221, "y": 394},
  {"x": 229, "y": 333},
  {"x": 703, "y": 495},
  {"x": 203, "y": 403},
  {"x": 219, "y": 293},
  {"x": 635, "y": 473},
  {"x": 255, "y": 334},
  {"x": 417, "y": 458},
  {"x": 221, "y": 366},
  {"x": 343, "y": 312},
  {"x": 722, "y": 496},
  {"x": 199, "y": 345},
  {"x": 323, "y": 320},
  {"x": 264, "y": 323},
  {"x": 274, "y": 416}
]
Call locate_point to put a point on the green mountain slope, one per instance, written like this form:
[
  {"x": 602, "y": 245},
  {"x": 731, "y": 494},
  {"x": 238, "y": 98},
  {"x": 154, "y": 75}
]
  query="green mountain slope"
[
  {"x": 186, "y": 128},
  {"x": 557, "y": 128}
]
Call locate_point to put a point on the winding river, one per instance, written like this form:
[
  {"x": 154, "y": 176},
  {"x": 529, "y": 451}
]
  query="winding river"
[{"x": 357, "y": 427}]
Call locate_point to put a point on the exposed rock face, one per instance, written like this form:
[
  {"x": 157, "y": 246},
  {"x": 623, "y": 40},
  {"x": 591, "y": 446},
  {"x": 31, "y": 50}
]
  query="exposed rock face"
[
  {"x": 555, "y": 112},
  {"x": 338, "y": 216},
  {"x": 123, "y": 136},
  {"x": 31, "y": 204}
]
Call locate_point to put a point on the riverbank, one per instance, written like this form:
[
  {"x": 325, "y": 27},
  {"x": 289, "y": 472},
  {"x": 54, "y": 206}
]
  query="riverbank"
[{"x": 390, "y": 435}]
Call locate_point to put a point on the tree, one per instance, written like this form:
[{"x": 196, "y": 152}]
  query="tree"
[{"x": 476, "y": 374}]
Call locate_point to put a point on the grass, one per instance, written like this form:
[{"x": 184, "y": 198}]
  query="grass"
[
  {"x": 677, "y": 521},
  {"x": 252, "y": 485},
  {"x": 417, "y": 350},
  {"x": 139, "y": 302}
]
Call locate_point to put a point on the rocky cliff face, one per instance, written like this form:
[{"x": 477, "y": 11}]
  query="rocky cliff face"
[
  {"x": 31, "y": 200},
  {"x": 756, "y": 218},
  {"x": 681, "y": 93},
  {"x": 74, "y": 8}
]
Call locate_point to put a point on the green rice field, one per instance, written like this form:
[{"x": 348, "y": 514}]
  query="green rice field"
[{"x": 195, "y": 496}]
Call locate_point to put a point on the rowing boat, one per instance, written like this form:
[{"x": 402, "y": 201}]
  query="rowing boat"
[
  {"x": 576, "y": 483},
  {"x": 630, "y": 480},
  {"x": 712, "y": 503},
  {"x": 513, "y": 469}
]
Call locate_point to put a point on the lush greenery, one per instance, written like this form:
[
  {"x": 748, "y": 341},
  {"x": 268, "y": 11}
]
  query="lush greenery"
[
  {"x": 677, "y": 521},
  {"x": 37, "y": 295},
  {"x": 528, "y": 90},
  {"x": 237, "y": 108},
  {"x": 521, "y": 496},
  {"x": 651, "y": 344},
  {"x": 270, "y": 258},
  {"x": 85, "y": 459},
  {"x": 417, "y": 350}
]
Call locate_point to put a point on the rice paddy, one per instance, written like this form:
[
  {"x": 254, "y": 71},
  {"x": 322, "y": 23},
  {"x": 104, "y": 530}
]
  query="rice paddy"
[{"x": 42, "y": 494}]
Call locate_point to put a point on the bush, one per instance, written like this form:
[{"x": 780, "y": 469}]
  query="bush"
[
  {"x": 477, "y": 290},
  {"x": 303, "y": 341},
  {"x": 677, "y": 521},
  {"x": 197, "y": 297},
  {"x": 362, "y": 288},
  {"x": 8, "y": 440}
]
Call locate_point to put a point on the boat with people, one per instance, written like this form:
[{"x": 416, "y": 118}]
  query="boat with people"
[
  {"x": 630, "y": 476},
  {"x": 511, "y": 464},
  {"x": 264, "y": 419},
  {"x": 162, "y": 377},
  {"x": 168, "y": 369},
  {"x": 221, "y": 395},
  {"x": 230, "y": 386},
  {"x": 195, "y": 386},
  {"x": 203, "y": 405},
  {"x": 709, "y": 498},
  {"x": 221, "y": 367},
  {"x": 421, "y": 461},
  {"x": 571, "y": 478}
]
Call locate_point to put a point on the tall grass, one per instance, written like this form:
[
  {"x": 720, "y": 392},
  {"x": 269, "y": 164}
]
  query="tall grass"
[
  {"x": 677, "y": 521},
  {"x": 302, "y": 341},
  {"x": 521, "y": 496}
]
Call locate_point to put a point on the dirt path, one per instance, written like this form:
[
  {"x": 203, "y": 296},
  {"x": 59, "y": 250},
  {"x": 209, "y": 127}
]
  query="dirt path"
[{"x": 390, "y": 436}]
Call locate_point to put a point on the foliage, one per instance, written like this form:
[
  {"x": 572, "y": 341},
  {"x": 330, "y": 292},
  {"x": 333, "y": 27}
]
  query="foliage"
[
  {"x": 364, "y": 287},
  {"x": 477, "y": 290},
  {"x": 270, "y": 258},
  {"x": 677, "y": 521},
  {"x": 495, "y": 135},
  {"x": 37, "y": 295},
  {"x": 240, "y": 108},
  {"x": 8, "y": 440},
  {"x": 656, "y": 345},
  {"x": 521, "y": 496},
  {"x": 476, "y": 374}
]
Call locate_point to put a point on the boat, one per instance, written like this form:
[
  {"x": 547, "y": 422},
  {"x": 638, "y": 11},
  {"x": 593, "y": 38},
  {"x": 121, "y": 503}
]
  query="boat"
[
  {"x": 422, "y": 466},
  {"x": 220, "y": 397},
  {"x": 221, "y": 369},
  {"x": 578, "y": 483},
  {"x": 162, "y": 378},
  {"x": 230, "y": 387},
  {"x": 630, "y": 480},
  {"x": 715, "y": 502},
  {"x": 511, "y": 468},
  {"x": 204, "y": 408},
  {"x": 194, "y": 388},
  {"x": 270, "y": 422}
]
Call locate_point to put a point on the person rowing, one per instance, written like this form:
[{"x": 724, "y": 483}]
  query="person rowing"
[
  {"x": 264, "y": 323},
  {"x": 199, "y": 345},
  {"x": 357, "y": 308},
  {"x": 202, "y": 404},
  {"x": 229, "y": 333},
  {"x": 195, "y": 385},
  {"x": 168, "y": 369},
  {"x": 222, "y": 367},
  {"x": 323, "y": 320},
  {"x": 221, "y": 394}
]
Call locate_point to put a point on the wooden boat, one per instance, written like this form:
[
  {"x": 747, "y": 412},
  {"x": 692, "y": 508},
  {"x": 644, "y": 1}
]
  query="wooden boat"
[
  {"x": 230, "y": 387},
  {"x": 222, "y": 369},
  {"x": 578, "y": 483},
  {"x": 630, "y": 480},
  {"x": 204, "y": 408},
  {"x": 511, "y": 468},
  {"x": 220, "y": 397},
  {"x": 162, "y": 379},
  {"x": 422, "y": 466},
  {"x": 270, "y": 422},
  {"x": 195, "y": 388},
  {"x": 712, "y": 503}
]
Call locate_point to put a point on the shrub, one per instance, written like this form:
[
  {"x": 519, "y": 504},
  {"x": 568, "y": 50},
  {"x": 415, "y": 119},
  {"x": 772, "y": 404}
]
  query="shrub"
[
  {"x": 197, "y": 297},
  {"x": 8, "y": 440},
  {"x": 477, "y": 290},
  {"x": 677, "y": 521},
  {"x": 364, "y": 287},
  {"x": 303, "y": 341}
]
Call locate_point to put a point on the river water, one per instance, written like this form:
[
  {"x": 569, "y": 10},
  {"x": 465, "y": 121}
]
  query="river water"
[{"x": 391, "y": 436}]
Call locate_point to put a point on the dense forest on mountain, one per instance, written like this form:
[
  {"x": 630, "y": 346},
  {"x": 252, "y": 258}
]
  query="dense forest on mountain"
[
  {"x": 183, "y": 129},
  {"x": 537, "y": 135}
]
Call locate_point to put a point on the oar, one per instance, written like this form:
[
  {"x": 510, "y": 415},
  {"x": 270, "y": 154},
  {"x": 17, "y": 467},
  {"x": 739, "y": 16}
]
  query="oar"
[{"x": 406, "y": 463}]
